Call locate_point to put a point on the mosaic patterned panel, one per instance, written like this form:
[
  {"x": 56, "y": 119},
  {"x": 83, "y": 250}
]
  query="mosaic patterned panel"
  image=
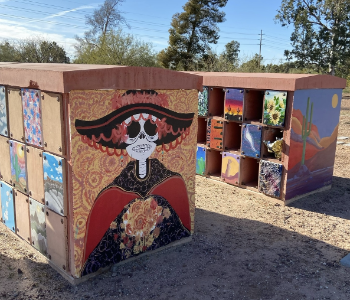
[
  {"x": 3, "y": 112},
  {"x": 32, "y": 116},
  {"x": 230, "y": 168},
  {"x": 18, "y": 166},
  {"x": 53, "y": 183},
  {"x": 215, "y": 133},
  {"x": 270, "y": 178},
  {"x": 251, "y": 140},
  {"x": 203, "y": 102},
  {"x": 200, "y": 160},
  {"x": 7, "y": 206},
  {"x": 234, "y": 104},
  {"x": 37, "y": 225},
  {"x": 275, "y": 108}
]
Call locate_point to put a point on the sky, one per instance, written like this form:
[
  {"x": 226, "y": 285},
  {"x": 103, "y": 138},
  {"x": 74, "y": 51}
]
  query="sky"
[{"x": 62, "y": 21}]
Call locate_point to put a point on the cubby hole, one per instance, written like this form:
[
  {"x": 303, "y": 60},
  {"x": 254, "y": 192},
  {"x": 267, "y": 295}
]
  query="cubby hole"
[
  {"x": 253, "y": 106},
  {"x": 232, "y": 136},
  {"x": 249, "y": 173},
  {"x": 216, "y": 102},
  {"x": 202, "y": 131},
  {"x": 270, "y": 134},
  {"x": 213, "y": 163}
]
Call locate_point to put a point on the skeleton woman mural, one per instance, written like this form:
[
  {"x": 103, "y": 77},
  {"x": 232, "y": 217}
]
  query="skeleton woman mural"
[{"x": 146, "y": 206}]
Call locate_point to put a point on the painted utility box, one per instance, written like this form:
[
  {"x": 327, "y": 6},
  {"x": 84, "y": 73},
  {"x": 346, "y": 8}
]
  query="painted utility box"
[
  {"x": 280, "y": 128},
  {"x": 97, "y": 161}
]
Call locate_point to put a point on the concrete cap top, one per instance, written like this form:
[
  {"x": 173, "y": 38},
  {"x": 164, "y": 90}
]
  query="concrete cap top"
[
  {"x": 273, "y": 81},
  {"x": 63, "y": 78}
]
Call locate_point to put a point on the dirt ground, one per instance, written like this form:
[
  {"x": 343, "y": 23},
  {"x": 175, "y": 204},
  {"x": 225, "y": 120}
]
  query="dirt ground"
[{"x": 244, "y": 247}]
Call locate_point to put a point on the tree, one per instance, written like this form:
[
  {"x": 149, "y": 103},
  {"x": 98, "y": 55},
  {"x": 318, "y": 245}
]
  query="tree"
[
  {"x": 41, "y": 51},
  {"x": 105, "y": 18},
  {"x": 33, "y": 51},
  {"x": 231, "y": 52},
  {"x": 116, "y": 48},
  {"x": 191, "y": 33},
  {"x": 253, "y": 65},
  {"x": 321, "y": 34},
  {"x": 8, "y": 53}
]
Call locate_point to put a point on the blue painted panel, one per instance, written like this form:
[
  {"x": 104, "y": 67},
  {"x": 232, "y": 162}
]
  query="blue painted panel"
[
  {"x": 251, "y": 140},
  {"x": 3, "y": 112},
  {"x": 53, "y": 182},
  {"x": 200, "y": 161},
  {"x": 7, "y": 205}
]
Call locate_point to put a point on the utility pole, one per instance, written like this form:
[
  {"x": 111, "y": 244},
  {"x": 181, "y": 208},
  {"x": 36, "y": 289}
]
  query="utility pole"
[{"x": 261, "y": 34}]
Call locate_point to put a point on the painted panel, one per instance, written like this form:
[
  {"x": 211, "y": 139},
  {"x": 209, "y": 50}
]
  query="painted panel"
[
  {"x": 215, "y": 130},
  {"x": 53, "y": 128},
  {"x": 313, "y": 140},
  {"x": 57, "y": 241},
  {"x": 3, "y": 112},
  {"x": 234, "y": 104},
  {"x": 230, "y": 168},
  {"x": 5, "y": 162},
  {"x": 7, "y": 206},
  {"x": 18, "y": 166},
  {"x": 203, "y": 102},
  {"x": 54, "y": 183},
  {"x": 15, "y": 114},
  {"x": 270, "y": 178},
  {"x": 22, "y": 216},
  {"x": 133, "y": 169},
  {"x": 32, "y": 116},
  {"x": 251, "y": 140},
  {"x": 35, "y": 174},
  {"x": 200, "y": 160},
  {"x": 37, "y": 226},
  {"x": 275, "y": 108}
]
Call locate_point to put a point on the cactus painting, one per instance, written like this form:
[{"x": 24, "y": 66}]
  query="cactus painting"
[
  {"x": 200, "y": 161},
  {"x": 18, "y": 166},
  {"x": 3, "y": 112},
  {"x": 313, "y": 138},
  {"x": 234, "y": 104}
]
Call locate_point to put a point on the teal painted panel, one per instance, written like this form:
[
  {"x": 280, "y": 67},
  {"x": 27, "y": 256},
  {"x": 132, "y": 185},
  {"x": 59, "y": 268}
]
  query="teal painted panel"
[{"x": 7, "y": 205}]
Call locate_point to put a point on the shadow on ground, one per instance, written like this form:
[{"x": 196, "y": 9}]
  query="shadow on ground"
[
  {"x": 229, "y": 258},
  {"x": 334, "y": 202}
]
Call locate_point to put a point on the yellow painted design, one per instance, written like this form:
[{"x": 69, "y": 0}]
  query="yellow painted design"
[
  {"x": 335, "y": 100},
  {"x": 233, "y": 166}
]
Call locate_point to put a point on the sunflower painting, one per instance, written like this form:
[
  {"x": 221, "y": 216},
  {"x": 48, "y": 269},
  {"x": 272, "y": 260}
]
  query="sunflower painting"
[{"x": 275, "y": 108}]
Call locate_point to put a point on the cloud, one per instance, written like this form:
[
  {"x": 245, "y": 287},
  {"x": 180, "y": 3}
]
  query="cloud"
[
  {"x": 62, "y": 13},
  {"x": 46, "y": 163},
  {"x": 59, "y": 170},
  {"x": 45, "y": 176}
]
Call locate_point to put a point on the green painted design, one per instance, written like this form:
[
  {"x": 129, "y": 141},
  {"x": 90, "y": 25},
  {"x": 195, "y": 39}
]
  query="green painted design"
[
  {"x": 200, "y": 166},
  {"x": 16, "y": 167},
  {"x": 305, "y": 132}
]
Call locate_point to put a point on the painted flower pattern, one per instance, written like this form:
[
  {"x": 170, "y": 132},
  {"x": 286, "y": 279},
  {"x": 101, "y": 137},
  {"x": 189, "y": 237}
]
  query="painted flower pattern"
[
  {"x": 3, "y": 113},
  {"x": 275, "y": 108},
  {"x": 32, "y": 116}
]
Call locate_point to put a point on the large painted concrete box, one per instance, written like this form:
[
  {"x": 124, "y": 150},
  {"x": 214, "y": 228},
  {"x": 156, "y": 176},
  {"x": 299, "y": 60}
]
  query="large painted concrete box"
[
  {"x": 282, "y": 127},
  {"x": 98, "y": 161}
]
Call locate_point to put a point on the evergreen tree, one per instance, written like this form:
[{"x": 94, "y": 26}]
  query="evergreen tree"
[
  {"x": 191, "y": 33},
  {"x": 321, "y": 36}
]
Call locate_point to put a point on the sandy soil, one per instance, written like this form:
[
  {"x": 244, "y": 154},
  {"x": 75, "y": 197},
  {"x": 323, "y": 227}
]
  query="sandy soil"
[{"x": 245, "y": 247}]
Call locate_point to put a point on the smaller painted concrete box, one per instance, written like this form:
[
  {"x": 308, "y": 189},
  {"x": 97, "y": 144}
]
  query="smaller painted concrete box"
[
  {"x": 94, "y": 166},
  {"x": 281, "y": 128}
]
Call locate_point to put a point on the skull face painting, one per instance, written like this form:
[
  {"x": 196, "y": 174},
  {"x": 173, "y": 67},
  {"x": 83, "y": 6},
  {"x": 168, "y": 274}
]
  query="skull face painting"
[{"x": 146, "y": 206}]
